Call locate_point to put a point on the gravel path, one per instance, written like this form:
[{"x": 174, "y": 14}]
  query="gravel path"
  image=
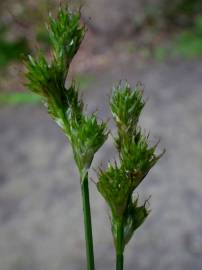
[{"x": 41, "y": 226}]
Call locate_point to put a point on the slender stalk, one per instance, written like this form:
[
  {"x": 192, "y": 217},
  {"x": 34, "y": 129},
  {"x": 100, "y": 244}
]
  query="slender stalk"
[
  {"x": 119, "y": 261},
  {"x": 120, "y": 247},
  {"x": 87, "y": 224}
]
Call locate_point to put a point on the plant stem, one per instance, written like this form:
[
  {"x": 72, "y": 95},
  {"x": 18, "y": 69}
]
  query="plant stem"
[
  {"x": 87, "y": 224},
  {"x": 119, "y": 261},
  {"x": 120, "y": 247},
  {"x": 86, "y": 213}
]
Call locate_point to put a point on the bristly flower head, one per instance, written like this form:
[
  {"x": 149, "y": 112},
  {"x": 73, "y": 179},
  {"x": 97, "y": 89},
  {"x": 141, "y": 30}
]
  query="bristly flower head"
[
  {"x": 118, "y": 182},
  {"x": 46, "y": 79},
  {"x": 126, "y": 105},
  {"x": 86, "y": 137},
  {"x": 66, "y": 35}
]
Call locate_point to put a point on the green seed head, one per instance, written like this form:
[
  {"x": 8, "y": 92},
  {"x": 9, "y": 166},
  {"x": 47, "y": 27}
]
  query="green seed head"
[
  {"x": 46, "y": 79},
  {"x": 137, "y": 157}
]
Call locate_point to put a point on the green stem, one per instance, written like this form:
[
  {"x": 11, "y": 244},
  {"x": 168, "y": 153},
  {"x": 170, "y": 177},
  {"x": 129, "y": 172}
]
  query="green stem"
[
  {"x": 120, "y": 247},
  {"x": 87, "y": 224},
  {"x": 119, "y": 261},
  {"x": 86, "y": 211}
]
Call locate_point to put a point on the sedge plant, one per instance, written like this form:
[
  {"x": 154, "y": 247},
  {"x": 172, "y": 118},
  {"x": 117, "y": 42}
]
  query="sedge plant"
[
  {"x": 136, "y": 158},
  {"x": 47, "y": 78}
]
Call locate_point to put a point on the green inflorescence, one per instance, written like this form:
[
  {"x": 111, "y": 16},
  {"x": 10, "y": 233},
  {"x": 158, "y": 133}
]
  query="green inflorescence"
[
  {"x": 119, "y": 181},
  {"x": 47, "y": 79}
]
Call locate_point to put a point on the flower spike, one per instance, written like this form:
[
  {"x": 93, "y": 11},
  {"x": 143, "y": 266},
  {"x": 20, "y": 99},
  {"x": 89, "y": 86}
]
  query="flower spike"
[
  {"x": 47, "y": 79},
  {"x": 136, "y": 157}
]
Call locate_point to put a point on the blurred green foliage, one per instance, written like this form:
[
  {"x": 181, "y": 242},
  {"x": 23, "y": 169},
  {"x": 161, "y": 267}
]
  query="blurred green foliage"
[
  {"x": 18, "y": 98},
  {"x": 189, "y": 42},
  {"x": 11, "y": 50},
  {"x": 181, "y": 12},
  {"x": 187, "y": 16},
  {"x": 186, "y": 44}
]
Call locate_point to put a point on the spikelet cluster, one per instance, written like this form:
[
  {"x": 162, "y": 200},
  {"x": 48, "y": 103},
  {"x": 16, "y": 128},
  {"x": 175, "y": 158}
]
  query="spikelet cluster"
[
  {"x": 137, "y": 157},
  {"x": 47, "y": 79}
]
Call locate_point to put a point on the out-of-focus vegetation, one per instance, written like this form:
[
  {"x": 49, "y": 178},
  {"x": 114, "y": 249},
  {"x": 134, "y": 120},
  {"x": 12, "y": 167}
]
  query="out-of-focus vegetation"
[
  {"x": 175, "y": 29},
  {"x": 181, "y": 13},
  {"x": 11, "y": 50},
  {"x": 167, "y": 29},
  {"x": 189, "y": 41},
  {"x": 15, "y": 98},
  {"x": 186, "y": 43}
]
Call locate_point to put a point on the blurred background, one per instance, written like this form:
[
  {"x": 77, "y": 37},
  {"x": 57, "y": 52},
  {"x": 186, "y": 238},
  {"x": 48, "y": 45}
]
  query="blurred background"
[{"x": 157, "y": 42}]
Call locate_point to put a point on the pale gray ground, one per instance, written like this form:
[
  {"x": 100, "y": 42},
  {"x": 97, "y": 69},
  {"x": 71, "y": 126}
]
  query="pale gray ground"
[{"x": 41, "y": 225}]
